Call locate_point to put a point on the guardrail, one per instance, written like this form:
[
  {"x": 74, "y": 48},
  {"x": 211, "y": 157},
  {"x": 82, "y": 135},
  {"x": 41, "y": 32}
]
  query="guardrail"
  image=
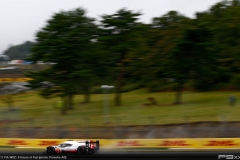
[{"x": 15, "y": 79}]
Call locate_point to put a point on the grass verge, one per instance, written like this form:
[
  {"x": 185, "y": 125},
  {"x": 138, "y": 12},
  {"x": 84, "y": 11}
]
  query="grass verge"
[{"x": 196, "y": 107}]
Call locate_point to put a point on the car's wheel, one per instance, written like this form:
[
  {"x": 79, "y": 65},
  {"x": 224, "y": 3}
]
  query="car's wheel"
[
  {"x": 90, "y": 151},
  {"x": 81, "y": 150},
  {"x": 50, "y": 150}
]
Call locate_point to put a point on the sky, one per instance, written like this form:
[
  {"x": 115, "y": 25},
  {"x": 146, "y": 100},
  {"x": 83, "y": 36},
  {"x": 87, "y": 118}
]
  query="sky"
[{"x": 20, "y": 20}]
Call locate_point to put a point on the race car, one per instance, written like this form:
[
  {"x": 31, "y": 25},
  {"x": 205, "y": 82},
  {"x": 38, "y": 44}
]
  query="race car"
[{"x": 71, "y": 146}]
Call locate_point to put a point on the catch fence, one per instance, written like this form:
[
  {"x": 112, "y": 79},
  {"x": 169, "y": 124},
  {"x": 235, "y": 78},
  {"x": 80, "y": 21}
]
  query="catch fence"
[{"x": 29, "y": 128}]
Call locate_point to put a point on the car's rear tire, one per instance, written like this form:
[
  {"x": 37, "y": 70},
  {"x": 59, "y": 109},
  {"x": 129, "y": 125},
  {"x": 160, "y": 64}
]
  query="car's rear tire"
[
  {"x": 50, "y": 150},
  {"x": 88, "y": 152},
  {"x": 95, "y": 151},
  {"x": 80, "y": 150}
]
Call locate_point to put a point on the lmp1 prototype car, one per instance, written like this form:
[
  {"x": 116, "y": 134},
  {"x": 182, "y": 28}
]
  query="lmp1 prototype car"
[{"x": 70, "y": 146}]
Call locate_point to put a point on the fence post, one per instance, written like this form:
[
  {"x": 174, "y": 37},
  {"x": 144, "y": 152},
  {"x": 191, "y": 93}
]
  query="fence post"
[
  {"x": 189, "y": 131},
  {"x": 7, "y": 131},
  {"x": 58, "y": 128},
  {"x": 224, "y": 126},
  {"x": 118, "y": 128},
  {"x": 87, "y": 127},
  {"x": 150, "y": 131},
  {"x": 31, "y": 128}
]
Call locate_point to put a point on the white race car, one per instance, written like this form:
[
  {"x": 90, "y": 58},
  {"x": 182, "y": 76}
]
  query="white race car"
[{"x": 70, "y": 146}]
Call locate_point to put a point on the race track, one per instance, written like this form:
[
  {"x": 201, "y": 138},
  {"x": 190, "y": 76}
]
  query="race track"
[{"x": 117, "y": 155}]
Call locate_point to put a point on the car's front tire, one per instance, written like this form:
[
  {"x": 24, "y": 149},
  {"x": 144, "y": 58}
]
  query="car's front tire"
[{"x": 50, "y": 150}]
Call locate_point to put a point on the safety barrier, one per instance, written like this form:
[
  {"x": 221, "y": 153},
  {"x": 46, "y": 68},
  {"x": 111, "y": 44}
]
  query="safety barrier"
[
  {"x": 15, "y": 79},
  {"x": 204, "y": 143}
]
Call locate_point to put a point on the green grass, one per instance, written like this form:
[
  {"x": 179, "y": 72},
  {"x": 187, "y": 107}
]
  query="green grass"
[{"x": 198, "y": 106}]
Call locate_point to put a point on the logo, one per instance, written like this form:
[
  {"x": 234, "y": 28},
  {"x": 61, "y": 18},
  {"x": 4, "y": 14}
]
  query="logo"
[
  {"x": 221, "y": 143},
  {"x": 228, "y": 157},
  {"x": 48, "y": 143},
  {"x": 174, "y": 143},
  {"x": 129, "y": 143},
  {"x": 17, "y": 142}
]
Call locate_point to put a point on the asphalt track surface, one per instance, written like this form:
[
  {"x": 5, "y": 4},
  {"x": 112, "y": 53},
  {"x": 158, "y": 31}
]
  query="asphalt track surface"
[{"x": 117, "y": 155}]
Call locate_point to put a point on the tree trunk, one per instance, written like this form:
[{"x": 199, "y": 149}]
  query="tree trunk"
[
  {"x": 118, "y": 97},
  {"x": 71, "y": 101},
  {"x": 118, "y": 101},
  {"x": 87, "y": 98},
  {"x": 178, "y": 99},
  {"x": 10, "y": 106},
  {"x": 64, "y": 106},
  {"x": 68, "y": 101}
]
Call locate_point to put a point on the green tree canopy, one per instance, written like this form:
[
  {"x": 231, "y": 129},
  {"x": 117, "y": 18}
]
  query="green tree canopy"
[
  {"x": 68, "y": 40},
  {"x": 117, "y": 37},
  {"x": 193, "y": 57},
  {"x": 20, "y": 51}
]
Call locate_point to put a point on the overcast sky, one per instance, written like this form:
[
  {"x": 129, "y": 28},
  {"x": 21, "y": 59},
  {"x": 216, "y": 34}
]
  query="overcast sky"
[{"x": 21, "y": 19}]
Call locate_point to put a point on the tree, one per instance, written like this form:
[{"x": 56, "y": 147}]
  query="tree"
[
  {"x": 223, "y": 17},
  {"x": 20, "y": 51},
  {"x": 117, "y": 34},
  {"x": 69, "y": 41},
  {"x": 193, "y": 57},
  {"x": 160, "y": 40}
]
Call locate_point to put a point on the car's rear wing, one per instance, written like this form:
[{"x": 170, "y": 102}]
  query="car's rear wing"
[{"x": 96, "y": 144}]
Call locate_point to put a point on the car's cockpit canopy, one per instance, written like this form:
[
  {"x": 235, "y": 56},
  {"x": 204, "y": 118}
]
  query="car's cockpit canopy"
[{"x": 65, "y": 145}]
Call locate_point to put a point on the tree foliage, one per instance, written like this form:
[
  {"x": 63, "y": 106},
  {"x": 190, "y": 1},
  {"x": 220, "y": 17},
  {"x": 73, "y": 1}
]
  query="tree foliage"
[
  {"x": 68, "y": 40},
  {"x": 117, "y": 36},
  {"x": 21, "y": 51}
]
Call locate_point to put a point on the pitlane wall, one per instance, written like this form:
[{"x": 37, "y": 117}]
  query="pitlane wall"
[{"x": 184, "y": 143}]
